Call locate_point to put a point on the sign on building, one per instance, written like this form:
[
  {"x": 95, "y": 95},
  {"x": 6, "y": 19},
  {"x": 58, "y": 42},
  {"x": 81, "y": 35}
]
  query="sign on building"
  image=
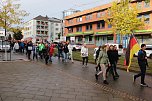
[{"x": 72, "y": 38}]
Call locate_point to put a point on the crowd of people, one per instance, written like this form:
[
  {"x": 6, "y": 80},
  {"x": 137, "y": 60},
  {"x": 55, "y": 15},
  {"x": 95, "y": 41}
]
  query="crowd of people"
[{"x": 106, "y": 57}]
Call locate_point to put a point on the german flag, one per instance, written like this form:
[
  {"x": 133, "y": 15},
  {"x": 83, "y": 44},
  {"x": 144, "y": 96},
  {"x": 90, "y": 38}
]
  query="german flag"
[{"x": 132, "y": 48}]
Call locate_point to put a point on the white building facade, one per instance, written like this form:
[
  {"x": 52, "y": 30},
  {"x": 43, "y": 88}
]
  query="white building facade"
[{"x": 42, "y": 29}]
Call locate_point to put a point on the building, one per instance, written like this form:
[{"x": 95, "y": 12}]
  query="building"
[
  {"x": 69, "y": 12},
  {"x": 89, "y": 26},
  {"x": 42, "y": 28}
]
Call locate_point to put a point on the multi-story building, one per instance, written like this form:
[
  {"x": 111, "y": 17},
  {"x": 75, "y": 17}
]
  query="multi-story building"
[
  {"x": 42, "y": 28},
  {"x": 89, "y": 26}
]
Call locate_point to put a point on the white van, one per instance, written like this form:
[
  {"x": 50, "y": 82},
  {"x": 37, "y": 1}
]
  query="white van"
[{"x": 4, "y": 45}]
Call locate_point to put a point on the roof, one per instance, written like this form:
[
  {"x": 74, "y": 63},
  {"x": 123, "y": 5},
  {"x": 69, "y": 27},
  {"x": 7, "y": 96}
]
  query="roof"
[
  {"x": 55, "y": 20},
  {"x": 95, "y": 9},
  {"x": 41, "y": 18}
]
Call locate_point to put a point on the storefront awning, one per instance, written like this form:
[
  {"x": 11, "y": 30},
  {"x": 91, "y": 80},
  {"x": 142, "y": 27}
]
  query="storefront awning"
[
  {"x": 75, "y": 34},
  {"x": 104, "y": 33},
  {"x": 143, "y": 31},
  {"x": 88, "y": 33}
]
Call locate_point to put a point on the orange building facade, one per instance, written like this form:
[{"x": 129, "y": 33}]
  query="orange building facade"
[{"x": 89, "y": 26}]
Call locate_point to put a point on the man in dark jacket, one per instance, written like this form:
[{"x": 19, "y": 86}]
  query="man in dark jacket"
[
  {"x": 29, "y": 49},
  {"x": 66, "y": 51},
  {"x": 142, "y": 61}
]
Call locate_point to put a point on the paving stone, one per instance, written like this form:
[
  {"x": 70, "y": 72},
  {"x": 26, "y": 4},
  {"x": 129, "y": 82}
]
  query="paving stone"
[
  {"x": 30, "y": 100},
  {"x": 13, "y": 99},
  {"x": 26, "y": 96}
]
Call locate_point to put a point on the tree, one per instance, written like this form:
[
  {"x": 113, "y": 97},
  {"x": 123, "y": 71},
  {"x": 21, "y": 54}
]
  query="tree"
[
  {"x": 17, "y": 34},
  {"x": 10, "y": 14},
  {"x": 123, "y": 17}
]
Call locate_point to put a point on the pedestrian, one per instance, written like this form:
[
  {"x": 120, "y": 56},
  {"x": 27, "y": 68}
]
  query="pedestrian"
[
  {"x": 29, "y": 49},
  {"x": 60, "y": 50},
  {"x": 46, "y": 53},
  {"x": 98, "y": 67},
  {"x": 35, "y": 51},
  {"x": 51, "y": 51},
  {"x": 22, "y": 47},
  {"x": 41, "y": 47},
  {"x": 111, "y": 56},
  {"x": 70, "y": 47},
  {"x": 142, "y": 61},
  {"x": 16, "y": 47},
  {"x": 116, "y": 58},
  {"x": 65, "y": 52},
  {"x": 103, "y": 60},
  {"x": 84, "y": 55}
]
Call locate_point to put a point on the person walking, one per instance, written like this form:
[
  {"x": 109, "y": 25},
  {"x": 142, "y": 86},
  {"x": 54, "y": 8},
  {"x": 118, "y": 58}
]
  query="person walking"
[
  {"x": 116, "y": 58},
  {"x": 142, "y": 61},
  {"x": 84, "y": 55},
  {"x": 60, "y": 50},
  {"x": 103, "y": 60},
  {"x": 51, "y": 51},
  {"x": 98, "y": 67},
  {"x": 22, "y": 47},
  {"x": 16, "y": 47},
  {"x": 46, "y": 53},
  {"x": 35, "y": 51},
  {"x": 41, "y": 47},
  {"x": 66, "y": 51},
  {"x": 70, "y": 47},
  {"x": 111, "y": 56},
  {"x": 29, "y": 49}
]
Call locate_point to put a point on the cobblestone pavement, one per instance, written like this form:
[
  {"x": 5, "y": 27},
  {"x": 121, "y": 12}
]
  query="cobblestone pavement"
[{"x": 30, "y": 81}]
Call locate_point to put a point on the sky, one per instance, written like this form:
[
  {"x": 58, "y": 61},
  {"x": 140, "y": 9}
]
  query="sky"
[{"x": 54, "y": 8}]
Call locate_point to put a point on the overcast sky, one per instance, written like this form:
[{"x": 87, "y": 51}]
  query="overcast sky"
[{"x": 54, "y": 8}]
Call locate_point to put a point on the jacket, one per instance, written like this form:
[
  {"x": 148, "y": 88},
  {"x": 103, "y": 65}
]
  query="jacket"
[
  {"x": 103, "y": 58},
  {"x": 111, "y": 56},
  {"x": 84, "y": 52},
  {"x": 142, "y": 58},
  {"x": 16, "y": 46}
]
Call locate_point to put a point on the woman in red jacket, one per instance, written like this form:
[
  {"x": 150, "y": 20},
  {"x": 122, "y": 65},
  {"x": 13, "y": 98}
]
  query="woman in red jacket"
[{"x": 51, "y": 51}]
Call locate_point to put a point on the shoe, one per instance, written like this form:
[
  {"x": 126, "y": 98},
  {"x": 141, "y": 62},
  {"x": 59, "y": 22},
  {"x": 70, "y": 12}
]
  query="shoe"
[
  {"x": 134, "y": 79},
  {"x": 143, "y": 85},
  {"x": 105, "y": 82},
  {"x": 117, "y": 76},
  {"x": 96, "y": 76}
]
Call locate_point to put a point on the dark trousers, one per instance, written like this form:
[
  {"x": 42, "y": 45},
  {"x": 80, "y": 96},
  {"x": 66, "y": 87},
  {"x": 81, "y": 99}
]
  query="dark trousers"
[
  {"x": 98, "y": 67},
  {"x": 115, "y": 69},
  {"x": 111, "y": 70},
  {"x": 41, "y": 54},
  {"x": 35, "y": 55},
  {"x": 85, "y": 60},
  {"x": 46, "y": 59},
  {"x": 60, "y": 54},
  {"x": 142, "y": 72},
  {"x": 29, "y": 54}
]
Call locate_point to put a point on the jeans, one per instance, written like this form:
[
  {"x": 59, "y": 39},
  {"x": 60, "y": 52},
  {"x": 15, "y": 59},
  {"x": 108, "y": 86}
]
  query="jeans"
[
  {"x": 29, "y": 54},
  {"x": 60, "y": 54},
  {"x": 35, "y": 55},
  {"x": 65, "y": 57},
  {"x": 142, "y": 72}
]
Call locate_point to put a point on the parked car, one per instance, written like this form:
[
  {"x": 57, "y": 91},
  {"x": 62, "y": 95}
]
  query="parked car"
[
  {"x": 119, "y": 48},
  {"x": 4, "y": 45},
  {"x": 77, "y": 46},
  {"x": 148, "y": 51}
]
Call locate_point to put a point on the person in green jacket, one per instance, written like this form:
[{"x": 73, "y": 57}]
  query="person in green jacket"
[
  {"x": 103, "y": 61},
  {"x": 41, "y": 47}
]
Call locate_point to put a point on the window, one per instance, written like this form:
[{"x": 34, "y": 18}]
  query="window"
[
  {"x": 57, "y": 24},
  {"x": 139, "y": 5},
  {"x": 103, "y": 13},
  {"x": 89, "y": 17},
  {"x": 147, "y": 4},
  {"x": 90, "y": 38},
  {"x": 101, "y": 24},
  {"x": 147, "y": 18},
  {"x": 98, "y": 14},
  {"x": 57, "y": 29},
  {"x": 79, "y": 29},
  {"x": 70, "y": 21},
  {"x": 89, "y": 27},
  {"x": 109, "y": 26},
  {"x": 70, "y": 30},
  {"x": 79, "y": 19}
]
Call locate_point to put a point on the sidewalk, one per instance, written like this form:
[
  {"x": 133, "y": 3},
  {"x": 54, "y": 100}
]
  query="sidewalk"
[
  {"x": 118, "y": 90},
  {"x": 33, "y": 81}
]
